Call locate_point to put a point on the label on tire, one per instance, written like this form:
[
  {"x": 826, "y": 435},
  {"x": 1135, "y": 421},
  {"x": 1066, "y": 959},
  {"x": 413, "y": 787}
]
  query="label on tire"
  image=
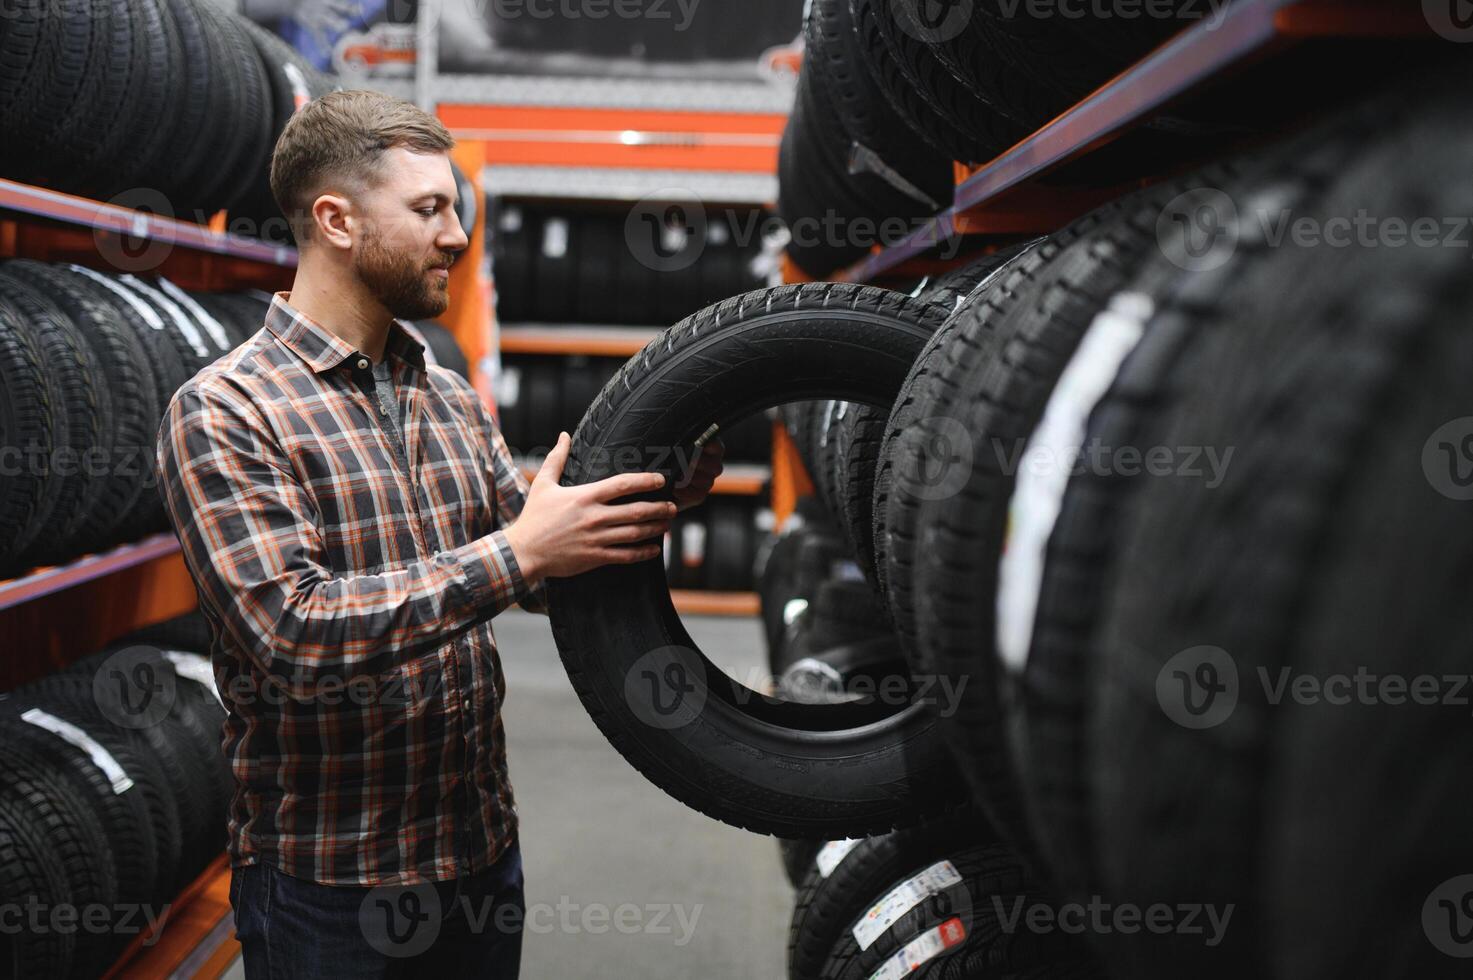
[
  {"x": 211, "y": 325},
  {"x": 137, "y": 305},
  {"x": 901, "y": 899},
  {"x": 195, "y": 667},
  {"x": 181, "y": 320},
  {"x": 101, "y": 757},
  {"x": 832, "y": 853},
  {"x": 926, "y": 946}
]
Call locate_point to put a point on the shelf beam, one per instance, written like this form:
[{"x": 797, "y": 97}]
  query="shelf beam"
[{"x": 111, "y": 219}]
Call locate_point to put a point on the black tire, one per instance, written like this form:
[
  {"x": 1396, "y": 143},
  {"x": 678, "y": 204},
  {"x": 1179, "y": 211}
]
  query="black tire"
[
  {"x": 510, "y": 231},
  {"x": 192, "y": 347},
  {"x": 997, "y": 402},
  {"x": 190, "y": 632},
  {"x": 981, "y": 876},
  {"x": 511, "y": 402},
  {"x": 948, "y": 292},
  {"x": 125, "y": 372},
  {"x": 555, "y": 255},
  {"x": 833, "y": 50},
  {"x": 933, "y": 127},
  {"x": 894, "y": 506},
  {"x": 124, "y": 816},
  {"x": 599, "y": 243},
  {"x": 544, "y": 381},
  {"x": 32, "y": 869},
  {"x": 763, "y": 348},
  {"x": 973, "y": 131},
  {"x": 732, "y": 543},
  {"x": 81, "y": 412},
  {"x": 833, "y": 216},
  {"x": 29, "y": 417},
  {"x": 139, "y": 762},
  {"x": 1335, "y": 538},
  {"x": 857, "y": 433},
  {"x": 76, "y": 835},
  {"x": 798, "y": 857}
]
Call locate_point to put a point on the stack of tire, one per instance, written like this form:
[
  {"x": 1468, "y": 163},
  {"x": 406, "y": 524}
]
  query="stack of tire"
[
  {"x": 113, "y": 797},
  {"x": 1173, "y": 504},
  {"x": 891, "y": 92},
  {"x": 189, "y": 97},
  {"x": 92, "y": 361},
  {"x": 649, "y": 265}
]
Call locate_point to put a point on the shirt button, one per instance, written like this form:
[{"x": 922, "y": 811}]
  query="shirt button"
[
  {"x": 466, "y": 704},
  {"x": 362, "y": 362}
]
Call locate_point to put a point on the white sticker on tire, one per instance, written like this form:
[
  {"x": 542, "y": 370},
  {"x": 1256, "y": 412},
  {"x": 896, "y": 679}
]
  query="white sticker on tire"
[
  {"x": 101, "y": 757},
  {"x": 138, "y": 306},
  {"x": 195, "y": 667},
  {"x": 212, "y": 326},
  {"x": 183, "y": 321},
  {"x": 1048, "y": 461},
  {"x": 928, "y": 945},
  {"x": 832, "y": 853},
  {"x": 901, "y": 899}
]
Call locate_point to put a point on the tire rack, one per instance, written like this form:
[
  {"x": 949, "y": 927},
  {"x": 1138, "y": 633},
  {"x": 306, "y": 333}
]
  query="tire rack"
[
  {"x": 718, "y": 154},
  {"x": 1002, "y": 199},
  {"x": 137, "y": 584}
]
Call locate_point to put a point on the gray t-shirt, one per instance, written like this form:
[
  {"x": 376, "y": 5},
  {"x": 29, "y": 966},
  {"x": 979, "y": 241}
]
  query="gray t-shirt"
[{"x": 388, "y": 401}]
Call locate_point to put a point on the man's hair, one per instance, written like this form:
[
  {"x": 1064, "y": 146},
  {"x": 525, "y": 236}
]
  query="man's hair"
[{"x": 338, "y": 139}]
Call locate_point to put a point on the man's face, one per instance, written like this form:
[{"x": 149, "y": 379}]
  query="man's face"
[{"x": 411, "y": 235}]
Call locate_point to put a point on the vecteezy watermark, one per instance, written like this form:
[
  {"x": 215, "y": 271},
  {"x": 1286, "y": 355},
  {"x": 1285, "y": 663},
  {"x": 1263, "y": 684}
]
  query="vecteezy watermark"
[
  {"x": 1099, "y": 917},
  {"x": 1097, "y": 458},
  {"x": 405, "y": 920},
  {"x": 1451, "y": 19},
  {"x": 1447, "y": 459},
  {"x": 666, "y": 687},
  {"x": 1447, "y": 917},
  {"x": 133, "y": 688},
  {"x": 1200, "y": 687},
  {"x": 34, "y": 917},
  {"x": 679, "y": 14},
  {"x": 38, "y": 460},
  {"x": 670, "y": 229},
  {"x": 811, "y": 680},
  {"x": 1200, "y": 229},
  {"x": 933, "y": 21}
]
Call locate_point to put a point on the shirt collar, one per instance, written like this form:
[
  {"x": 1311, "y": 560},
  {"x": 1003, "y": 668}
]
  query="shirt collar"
[{"x": 324, "y": 350}]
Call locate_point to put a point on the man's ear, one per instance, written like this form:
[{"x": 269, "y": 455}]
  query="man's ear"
[{"x": 331, "y": 220}]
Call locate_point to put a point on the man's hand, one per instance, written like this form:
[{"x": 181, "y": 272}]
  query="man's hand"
[
  {"x": 694, "y": 489},
  {"x": 565, "y": 531}
]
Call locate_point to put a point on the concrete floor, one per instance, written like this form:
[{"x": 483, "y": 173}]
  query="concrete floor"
[{"x": 597, "y": 836}]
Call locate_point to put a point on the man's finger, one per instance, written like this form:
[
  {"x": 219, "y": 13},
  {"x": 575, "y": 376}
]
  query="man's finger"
[
  {"x": 628, "y": 556},
  {"x": 551, "y": 469},
  {"x": 624, "y": 484},
  {"x": 636, "y": 513},
  {"x": 630, "y": 533}
]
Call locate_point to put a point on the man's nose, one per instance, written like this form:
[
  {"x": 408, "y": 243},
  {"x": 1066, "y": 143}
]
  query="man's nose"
[{"x": 453, "y": 239}]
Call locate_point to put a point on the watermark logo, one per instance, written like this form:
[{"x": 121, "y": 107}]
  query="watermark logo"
[
  {"x": 133, "y": 688},
  {"x": 1451, "y": 19},
  {"x": 664, "y": 236},
  {"x": 1447, "y": 459},
  {"x": 1198, "y": 688},
  {"x": 936, "y": 458},
  {"x": 400, "y": 920},
  {"x": 1447, "y": 917},
  {"x": 1099, "y": 917},
  {"x": 932, "y": 21},
  {"x": 1198, "y": 229},
  {"x": 666, "y": 687}
]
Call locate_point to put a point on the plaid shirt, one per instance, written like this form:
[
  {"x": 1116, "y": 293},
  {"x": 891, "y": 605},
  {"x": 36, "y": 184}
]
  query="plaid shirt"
[{"x": 351, "y": 602}]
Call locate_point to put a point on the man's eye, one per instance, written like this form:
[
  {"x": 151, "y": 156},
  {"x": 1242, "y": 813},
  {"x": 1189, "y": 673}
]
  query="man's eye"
[{"x": 427, "y": 212}]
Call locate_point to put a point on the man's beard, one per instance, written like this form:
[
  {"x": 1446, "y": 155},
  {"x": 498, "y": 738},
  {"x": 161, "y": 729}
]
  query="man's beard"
[{"x": 402, "y": 284}]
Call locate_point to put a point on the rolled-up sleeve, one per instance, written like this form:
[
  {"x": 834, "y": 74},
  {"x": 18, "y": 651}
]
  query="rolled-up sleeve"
[{"x": 246, "y": 526}]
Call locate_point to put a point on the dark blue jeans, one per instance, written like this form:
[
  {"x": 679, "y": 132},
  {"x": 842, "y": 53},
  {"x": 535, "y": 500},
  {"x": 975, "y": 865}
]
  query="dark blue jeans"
[{"x": 290, "y": 927}]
